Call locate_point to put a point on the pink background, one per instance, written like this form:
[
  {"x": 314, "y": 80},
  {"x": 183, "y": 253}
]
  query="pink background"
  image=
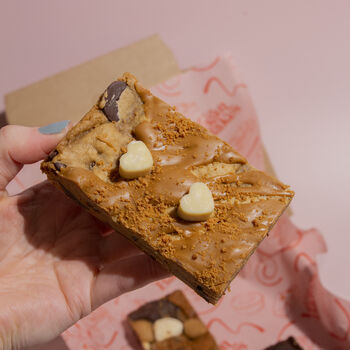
[{"x": 294, "y": 56}]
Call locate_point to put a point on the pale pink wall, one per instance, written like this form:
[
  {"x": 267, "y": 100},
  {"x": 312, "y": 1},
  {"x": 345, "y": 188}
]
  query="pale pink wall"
[{"x": 294, "y": 56}]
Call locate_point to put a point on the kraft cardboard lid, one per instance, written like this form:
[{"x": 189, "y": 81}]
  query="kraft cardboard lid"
[{"x": 70, "y": 94}]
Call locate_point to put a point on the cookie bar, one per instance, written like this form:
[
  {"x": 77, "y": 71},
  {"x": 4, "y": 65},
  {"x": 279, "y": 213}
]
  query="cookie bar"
[
  {"x": 289, "y": 344},
  {"x": 170, "y": 323},
  {"x": 181, "y": 194}
]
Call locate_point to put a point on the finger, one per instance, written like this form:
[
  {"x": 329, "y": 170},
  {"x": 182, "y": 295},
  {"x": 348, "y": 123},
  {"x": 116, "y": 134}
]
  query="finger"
[
  {"x": 116, "y": 247},
  {"x": 23, "y": 145},
  {"x": 124, "y": 276}
]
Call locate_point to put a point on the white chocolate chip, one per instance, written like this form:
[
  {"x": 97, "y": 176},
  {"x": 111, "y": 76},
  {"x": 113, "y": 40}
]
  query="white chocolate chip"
[
  {"x": 146, "y": 345},
  {"x": 198, "y": 204},
  {"x": 167, "y": 327},
  {"x": 137, "y": 161}
]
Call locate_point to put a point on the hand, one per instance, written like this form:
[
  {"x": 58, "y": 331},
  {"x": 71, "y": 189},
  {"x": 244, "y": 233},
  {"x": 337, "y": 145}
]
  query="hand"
[{"x": 55, "y": 266}]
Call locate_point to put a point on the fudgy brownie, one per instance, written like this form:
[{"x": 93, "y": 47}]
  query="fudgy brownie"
[
  {"x": 171, "y": 323},
  {"x": 181, "y": 194}
]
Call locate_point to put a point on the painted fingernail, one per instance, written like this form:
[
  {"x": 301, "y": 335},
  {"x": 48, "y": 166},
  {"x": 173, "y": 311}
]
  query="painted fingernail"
[{"x": 54, "y": 128}]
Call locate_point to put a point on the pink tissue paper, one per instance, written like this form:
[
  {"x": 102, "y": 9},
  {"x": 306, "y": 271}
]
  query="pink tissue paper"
[{"x": 278, "y": 293}]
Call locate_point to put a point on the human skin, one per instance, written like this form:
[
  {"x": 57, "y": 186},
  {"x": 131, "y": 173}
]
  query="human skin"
[{"x": 57, "y": 262}]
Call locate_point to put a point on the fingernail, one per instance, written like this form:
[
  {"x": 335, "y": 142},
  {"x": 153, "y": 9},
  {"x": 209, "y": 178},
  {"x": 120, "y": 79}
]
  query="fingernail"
[{"x": 54, "y": 128}]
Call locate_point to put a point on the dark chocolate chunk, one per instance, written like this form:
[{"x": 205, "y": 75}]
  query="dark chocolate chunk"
[
  {"x": 113, "y": 93},
  {"x": 154, "y": 310},
  {"x": 59, "y": 165},
  {"x": 53, "y": 154},
  {"x": 185, "y": 308},
  {"x": 289, "y": 344},
  {"x": 92, "y": 164}
]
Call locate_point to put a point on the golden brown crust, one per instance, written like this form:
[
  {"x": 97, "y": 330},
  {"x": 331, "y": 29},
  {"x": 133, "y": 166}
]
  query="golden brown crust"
[{"x": 205, "y": 255}]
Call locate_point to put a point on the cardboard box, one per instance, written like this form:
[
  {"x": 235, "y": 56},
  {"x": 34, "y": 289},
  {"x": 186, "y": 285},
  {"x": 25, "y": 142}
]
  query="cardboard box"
[{"x": 70, "y": 94}]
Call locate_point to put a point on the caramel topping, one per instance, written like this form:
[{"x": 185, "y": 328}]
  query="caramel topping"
[{"x": 247, "y": 201}]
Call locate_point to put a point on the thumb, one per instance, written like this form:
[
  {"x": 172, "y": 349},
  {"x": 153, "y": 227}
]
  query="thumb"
[{"x": 23, "y": 145}]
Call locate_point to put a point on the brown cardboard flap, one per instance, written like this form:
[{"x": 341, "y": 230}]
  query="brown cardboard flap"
[{"x": 70, "y": 94}]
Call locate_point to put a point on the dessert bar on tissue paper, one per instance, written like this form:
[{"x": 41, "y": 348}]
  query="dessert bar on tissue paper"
[{"x": 181, "y": 194}]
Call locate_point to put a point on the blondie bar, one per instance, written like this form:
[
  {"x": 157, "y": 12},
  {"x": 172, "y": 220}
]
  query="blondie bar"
[{"x": 181, "y": 194}]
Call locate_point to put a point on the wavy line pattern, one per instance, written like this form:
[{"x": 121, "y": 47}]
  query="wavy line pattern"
[
  {"x": 111, "y": 341},
  {"x": 228, "y": 92},
  {"x": 249, "y": 302},
  {"x": 267, "y": 273},
  {"x": 239, "y": 327},
  {"x": 168, "y": 93},
  {"x": 170, "y": 88},
  {"x": 225, "y": 345},
  {"x": 172, "y": 83},
  {"x": 208, "y": 67},
  {"x": 283, "y": 329},
  {"x": 305, "y": 256}
]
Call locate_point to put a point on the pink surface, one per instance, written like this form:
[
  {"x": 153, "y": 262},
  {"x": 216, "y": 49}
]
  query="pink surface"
[
  {"x": 278, "y": 293},
  {"x": 294, "y": 55}
]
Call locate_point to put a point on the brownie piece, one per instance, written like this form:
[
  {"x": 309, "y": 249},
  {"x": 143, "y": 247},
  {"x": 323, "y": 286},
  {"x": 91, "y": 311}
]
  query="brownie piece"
[
  {"x": 289, "y": 344},
  {"x": 170, "y": 323},
  {"x": 240, "y": 203}
]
